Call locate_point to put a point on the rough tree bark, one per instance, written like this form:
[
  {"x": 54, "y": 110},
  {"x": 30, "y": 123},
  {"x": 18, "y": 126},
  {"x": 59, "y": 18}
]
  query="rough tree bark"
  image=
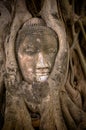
[{"x": 65, "y": 106}]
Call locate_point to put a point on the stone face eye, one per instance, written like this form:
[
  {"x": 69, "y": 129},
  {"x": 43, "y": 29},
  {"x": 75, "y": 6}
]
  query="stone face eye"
[{"x": 29, "y": 51}]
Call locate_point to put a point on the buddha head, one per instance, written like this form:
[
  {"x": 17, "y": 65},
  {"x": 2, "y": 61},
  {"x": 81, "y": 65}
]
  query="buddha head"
[{"x": 36, "y": 48}]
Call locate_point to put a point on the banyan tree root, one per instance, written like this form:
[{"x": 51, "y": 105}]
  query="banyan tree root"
[
  {"x": 5, "y": 20},
  {"x": 4, "y": 30},
  {"x": 21, "y": 15},
  {"x": 16, "y": 114},
  {"x": 72, "y": 97}
]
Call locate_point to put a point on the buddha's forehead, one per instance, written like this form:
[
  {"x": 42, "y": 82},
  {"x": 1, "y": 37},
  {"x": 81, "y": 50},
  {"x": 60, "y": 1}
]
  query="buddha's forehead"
[
  {"x": 37, "y": 36},
  {"x": 40, "y": 41}
]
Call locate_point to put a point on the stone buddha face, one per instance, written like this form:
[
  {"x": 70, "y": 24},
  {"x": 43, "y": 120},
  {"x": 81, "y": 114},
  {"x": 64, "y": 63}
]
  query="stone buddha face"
[{"x": 36, "y": 57}]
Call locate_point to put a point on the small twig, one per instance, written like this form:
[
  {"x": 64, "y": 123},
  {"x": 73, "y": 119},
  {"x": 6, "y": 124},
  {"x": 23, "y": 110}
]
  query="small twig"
[
  {"x": 72, "y": 72},
  {"x": 34, "y": 6},
  {"x": 82, "y": 59},
  {"x": 82, "y": 29},
  {"x": 75, "y": 37}
]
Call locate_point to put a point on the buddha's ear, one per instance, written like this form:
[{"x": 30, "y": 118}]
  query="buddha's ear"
[
  {"x": 58, "y": 77},
  {"x": 21, "y": 15}
]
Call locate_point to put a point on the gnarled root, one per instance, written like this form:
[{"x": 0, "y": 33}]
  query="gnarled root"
[{"x": 16, "y": 115}]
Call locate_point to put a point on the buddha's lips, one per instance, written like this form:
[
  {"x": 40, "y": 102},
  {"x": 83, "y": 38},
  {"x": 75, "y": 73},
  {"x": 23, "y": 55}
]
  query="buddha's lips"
[{"x": 42, "y": 73}]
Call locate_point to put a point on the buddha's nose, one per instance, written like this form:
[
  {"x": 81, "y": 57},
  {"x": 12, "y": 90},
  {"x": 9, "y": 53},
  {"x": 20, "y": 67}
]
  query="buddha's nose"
[{"x": 41, "y": 62}]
